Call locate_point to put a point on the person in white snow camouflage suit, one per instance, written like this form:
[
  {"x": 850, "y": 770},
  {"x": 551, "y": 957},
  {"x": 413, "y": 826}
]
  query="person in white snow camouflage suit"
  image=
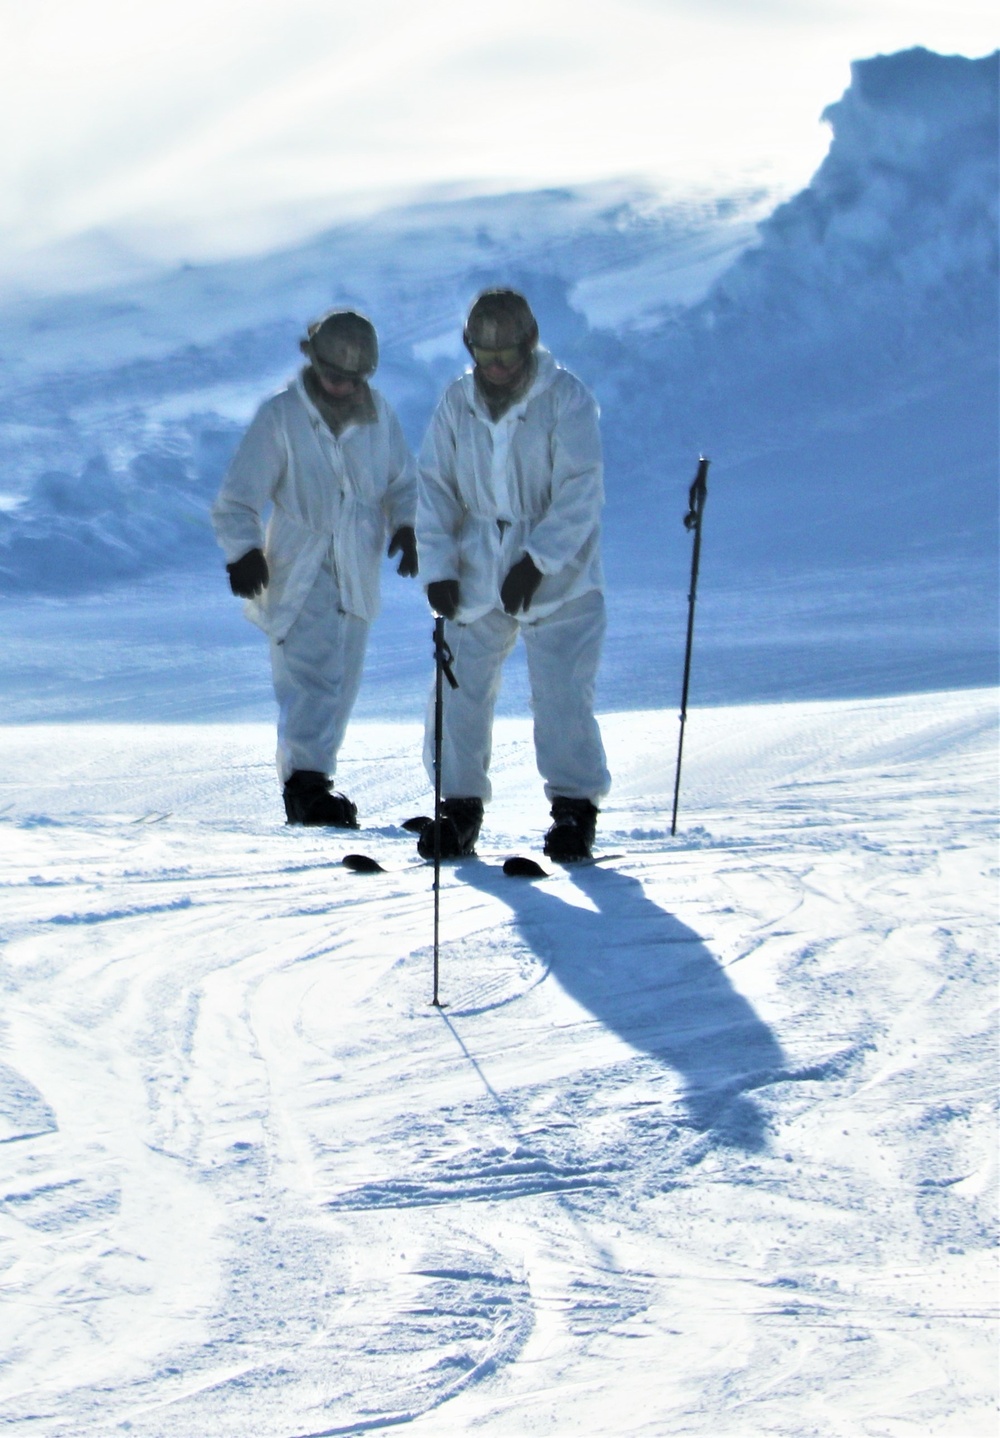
[
  {"x": 328, "y": 456},
  {"x": 510, "y": 491}
]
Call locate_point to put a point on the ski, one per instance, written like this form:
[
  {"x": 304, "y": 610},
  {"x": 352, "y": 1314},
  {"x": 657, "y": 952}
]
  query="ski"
[
  {"x": 520, "y": 867},
  {"x": 517, "y": 866},
  {"x": 366, "y": 864}
]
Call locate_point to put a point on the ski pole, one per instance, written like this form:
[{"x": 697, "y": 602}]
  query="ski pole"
[
  {"x": 443, "y": 659},
  {"x": 697, "y": 495}
]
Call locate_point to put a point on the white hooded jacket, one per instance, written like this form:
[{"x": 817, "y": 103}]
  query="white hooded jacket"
[
  {"x": 334, "y": 500},
  {"x": 530, "y": 482}
]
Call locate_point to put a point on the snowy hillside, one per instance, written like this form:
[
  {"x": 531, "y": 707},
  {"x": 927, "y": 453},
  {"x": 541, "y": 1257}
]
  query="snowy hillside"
[
  {"x": 150, "y": 386},
  {"x": 703, "y": 1143},
  {"x": 844, "y": 370},
  {"x": 836, "y": 359}
]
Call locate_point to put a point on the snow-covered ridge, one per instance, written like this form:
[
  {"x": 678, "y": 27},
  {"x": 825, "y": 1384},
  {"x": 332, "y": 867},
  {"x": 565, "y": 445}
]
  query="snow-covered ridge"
[
  {"x": 150, "y": 385},
  {"x": 877, "y": 278},
  {"x": 905, "y": 200},
  {"x": 836, "y": 359},
  {"x": 844, "y": 368}
]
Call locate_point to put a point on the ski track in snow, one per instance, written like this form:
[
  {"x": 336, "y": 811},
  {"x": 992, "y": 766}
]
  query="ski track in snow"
[{"x": 702, "y": 1144}]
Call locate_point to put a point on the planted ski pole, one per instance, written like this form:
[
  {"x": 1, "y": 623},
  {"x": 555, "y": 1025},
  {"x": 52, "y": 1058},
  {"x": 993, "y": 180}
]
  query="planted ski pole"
[
  {"x": 443, "y": 659},
  {"x": 697, "y": 495}
]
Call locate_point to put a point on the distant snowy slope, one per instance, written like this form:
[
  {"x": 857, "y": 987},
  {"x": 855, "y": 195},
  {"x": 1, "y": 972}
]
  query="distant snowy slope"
[
  {"x": 836, "y": 359},
  {"x": 148, "y": 386}
]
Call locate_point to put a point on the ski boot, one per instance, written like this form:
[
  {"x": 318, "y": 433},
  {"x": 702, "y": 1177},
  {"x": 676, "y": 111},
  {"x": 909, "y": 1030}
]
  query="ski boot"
[
  {"x": 572, "y": 833},
  {"x": 308, "y": 800},
  {"x": 460, "y": 822}
]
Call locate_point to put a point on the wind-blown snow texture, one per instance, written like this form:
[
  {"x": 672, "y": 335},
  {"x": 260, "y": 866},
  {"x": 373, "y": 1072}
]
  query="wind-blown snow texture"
[
  {"x": 704, "y": 1142},
  {"x": 838, "y": 365}
]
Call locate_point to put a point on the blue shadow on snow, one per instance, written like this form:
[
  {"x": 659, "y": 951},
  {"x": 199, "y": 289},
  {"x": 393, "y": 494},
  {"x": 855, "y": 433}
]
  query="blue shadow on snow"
[{"x": 651, "y": 980}]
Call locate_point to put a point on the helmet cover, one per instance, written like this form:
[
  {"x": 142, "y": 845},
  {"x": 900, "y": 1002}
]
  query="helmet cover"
[
  {"x": 342, "y": 343},
  {"x": 501, "y": 319}
]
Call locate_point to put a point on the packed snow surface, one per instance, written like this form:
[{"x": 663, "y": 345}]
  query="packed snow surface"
[{"x": 702, "y": 1142}]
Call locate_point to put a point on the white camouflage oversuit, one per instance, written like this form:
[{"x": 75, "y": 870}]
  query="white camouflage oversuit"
[
  {"x": 333, "y": 501},
  {"x": 489, "y": 492}
]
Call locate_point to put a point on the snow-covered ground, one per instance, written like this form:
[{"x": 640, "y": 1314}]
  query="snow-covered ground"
[{"x": 703, "y": 1142}]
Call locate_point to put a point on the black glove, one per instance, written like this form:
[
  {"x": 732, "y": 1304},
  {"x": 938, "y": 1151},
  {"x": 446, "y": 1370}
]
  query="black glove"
[
  {"x": 442, "y": 596},
  {"x": 404, "y": 541},
  {"x": 518, "y": 589},
  {"x": 248, "y": 576}
]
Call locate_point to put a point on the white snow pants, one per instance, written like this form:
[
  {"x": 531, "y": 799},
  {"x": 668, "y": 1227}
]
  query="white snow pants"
[
  {"x": 563, "y": 651},
  {"x": 317, "y": 674}
]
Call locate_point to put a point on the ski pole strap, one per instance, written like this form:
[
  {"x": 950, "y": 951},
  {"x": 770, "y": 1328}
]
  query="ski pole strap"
[{"x": 444, "y": 657}]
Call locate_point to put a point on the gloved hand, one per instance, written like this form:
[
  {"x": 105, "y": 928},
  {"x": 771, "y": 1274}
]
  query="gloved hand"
[
  {"x": 404, "y": 542},
  {"x": 518, "y": 589},
  {"x": 442, "y": 596},
  {"x": 248, "y": 576}
]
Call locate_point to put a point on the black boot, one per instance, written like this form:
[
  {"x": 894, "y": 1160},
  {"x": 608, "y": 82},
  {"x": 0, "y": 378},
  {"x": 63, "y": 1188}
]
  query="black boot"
[
  {"x": 460, "y": 823},
  {"x": 308, "y": 800},
  {"x": 572, "y": 833}
]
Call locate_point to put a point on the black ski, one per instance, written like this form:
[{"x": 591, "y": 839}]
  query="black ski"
[{"x": 518, "y": 866}]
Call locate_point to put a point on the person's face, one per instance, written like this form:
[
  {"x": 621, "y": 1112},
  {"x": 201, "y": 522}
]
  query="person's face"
[
  {"x": 501, "y": 367},
  {"x": 337, "y": 386}
]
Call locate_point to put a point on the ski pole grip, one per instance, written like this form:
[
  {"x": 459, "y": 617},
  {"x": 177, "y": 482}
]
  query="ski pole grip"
[
  {"x": 442, "y": 653},
  {"x": 697, "y": 494}
]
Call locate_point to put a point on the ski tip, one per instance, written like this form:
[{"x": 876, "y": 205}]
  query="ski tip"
[
  {"x": 417, "y": 824},
  {"x": 362, "y": 864},
  {"x": 521, "y": 868}
]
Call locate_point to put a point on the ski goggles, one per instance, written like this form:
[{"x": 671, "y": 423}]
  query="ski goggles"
[
  {"x": 335, "y": 374},
  {"x": 507, "y": 357},
  {"x": 339, "y": 376}
]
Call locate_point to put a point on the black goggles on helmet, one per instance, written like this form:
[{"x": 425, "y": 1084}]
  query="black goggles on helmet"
[
  {"x": 336, "y": 374},
  {"x": 509, "y": 356}
]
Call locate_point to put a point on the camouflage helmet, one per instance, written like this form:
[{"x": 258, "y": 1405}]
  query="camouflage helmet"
[
  {"x": 501, "y": 319},
  {"x": 342, "y": 344}
]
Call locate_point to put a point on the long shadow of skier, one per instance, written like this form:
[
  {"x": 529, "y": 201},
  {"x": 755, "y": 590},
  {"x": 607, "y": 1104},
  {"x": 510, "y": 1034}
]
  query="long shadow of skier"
[{"x": 651, "y": 980}]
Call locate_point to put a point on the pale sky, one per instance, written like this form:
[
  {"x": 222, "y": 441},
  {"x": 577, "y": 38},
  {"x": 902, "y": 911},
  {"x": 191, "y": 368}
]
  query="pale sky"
[{"x": 208, "y": 127}]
